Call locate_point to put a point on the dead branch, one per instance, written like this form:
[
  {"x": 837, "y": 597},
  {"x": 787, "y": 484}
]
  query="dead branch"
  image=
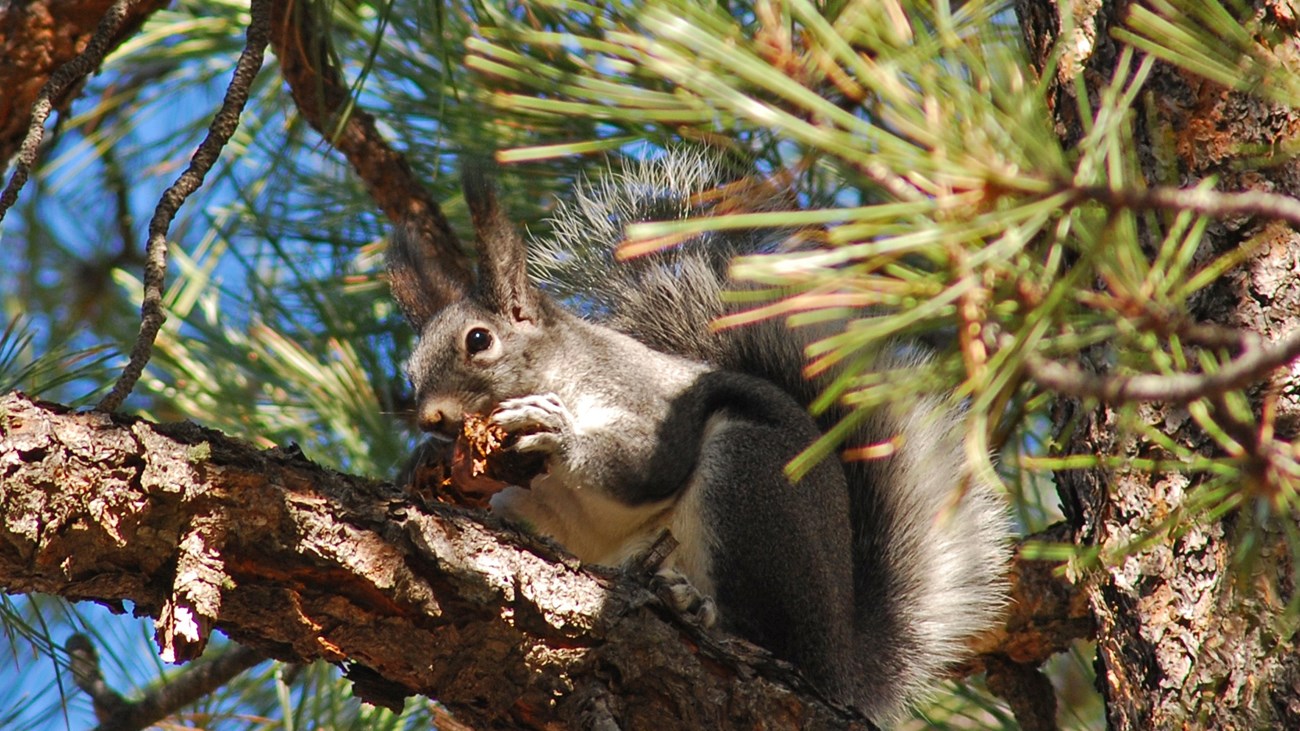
[
  {"x": 1253, "y": 364},
  {"x": 1204, "y": 201}
]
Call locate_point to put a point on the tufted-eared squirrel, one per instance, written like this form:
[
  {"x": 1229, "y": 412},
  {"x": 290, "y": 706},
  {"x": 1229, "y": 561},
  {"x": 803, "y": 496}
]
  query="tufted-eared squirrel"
[{"x": 864, "y": 574}]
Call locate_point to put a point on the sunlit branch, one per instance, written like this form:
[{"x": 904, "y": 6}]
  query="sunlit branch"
[{"x": 325, "y": 101}]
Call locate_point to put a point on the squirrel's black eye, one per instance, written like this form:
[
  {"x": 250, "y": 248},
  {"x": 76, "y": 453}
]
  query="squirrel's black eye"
[{"x": 477, "y": 340}]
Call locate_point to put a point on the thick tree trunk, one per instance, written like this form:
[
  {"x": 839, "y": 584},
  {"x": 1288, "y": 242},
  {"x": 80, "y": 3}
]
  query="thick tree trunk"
[{"x": 1186, "y": 638}]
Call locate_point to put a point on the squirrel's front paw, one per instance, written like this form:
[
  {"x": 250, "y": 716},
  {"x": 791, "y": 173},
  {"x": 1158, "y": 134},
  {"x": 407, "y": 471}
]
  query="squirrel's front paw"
[
  {"x": 678, "y": 592},
  {"x": 540, "y": 423}
]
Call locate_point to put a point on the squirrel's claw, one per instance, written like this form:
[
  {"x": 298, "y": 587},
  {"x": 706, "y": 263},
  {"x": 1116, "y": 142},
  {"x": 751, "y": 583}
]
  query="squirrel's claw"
[{"x": 540, "y": 422}]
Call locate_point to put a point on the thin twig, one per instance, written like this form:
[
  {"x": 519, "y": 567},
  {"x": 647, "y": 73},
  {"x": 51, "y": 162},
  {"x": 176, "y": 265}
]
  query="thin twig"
[
  {"x": 115, "y": 713},
  {"x": 219, "y": 133},
  {"x": 67, "y": 74},
  {"x": 83, "y": 662},
  {"x": 1206, "y": 202},
  {"x": 197, "y": 681},
  {"x": 1255, "y": 361},
  {"x": 115, "y": 179}
]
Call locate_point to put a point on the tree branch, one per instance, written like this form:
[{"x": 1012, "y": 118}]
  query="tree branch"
[
  {"x": 83, "y": 662},
  {"x": 201, "y": 531},
  {"x": 302, "y": 563},
  {"x": 55, "y": 88},
  {"x": 1045, "y": 615},
  {"x": 1255, "y": 361},
  {"x": 41, "y": 40},
  {"x": 1204, "y": 201},
  {"x": 324, "y": 101},
  {"x": 223, "y": 126},
  {"x": 1029, "y": 693},
  {"x": 115, "y": 713}
]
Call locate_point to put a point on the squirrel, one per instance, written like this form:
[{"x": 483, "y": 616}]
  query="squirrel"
[{"x": 867, "y": 575}]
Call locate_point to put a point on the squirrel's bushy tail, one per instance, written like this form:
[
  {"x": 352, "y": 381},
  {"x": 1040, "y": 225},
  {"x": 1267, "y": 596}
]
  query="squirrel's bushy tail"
[{"x": 928, "y": 573}]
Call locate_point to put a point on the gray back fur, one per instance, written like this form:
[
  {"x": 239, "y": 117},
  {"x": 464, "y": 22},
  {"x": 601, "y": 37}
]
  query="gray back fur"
[{"x": 928, "y": 574}]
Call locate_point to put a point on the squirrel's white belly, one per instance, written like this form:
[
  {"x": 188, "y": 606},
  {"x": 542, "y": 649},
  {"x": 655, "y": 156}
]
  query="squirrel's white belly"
[
  {"x": 591, "y": 525},
  {"x": 600, "y": 530}
]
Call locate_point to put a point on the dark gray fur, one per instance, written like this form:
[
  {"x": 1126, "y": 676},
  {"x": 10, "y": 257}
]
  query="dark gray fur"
[{"x": 862, "y": 574}]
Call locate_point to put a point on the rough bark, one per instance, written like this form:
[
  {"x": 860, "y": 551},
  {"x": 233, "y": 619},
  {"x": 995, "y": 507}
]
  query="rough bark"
[
  {"x": 203, "y": 532},
  {"x": 1186, "y": 639},
  {"x": 38, "y": 37}
]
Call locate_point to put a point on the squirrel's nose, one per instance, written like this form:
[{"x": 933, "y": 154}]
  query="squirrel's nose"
[{"x": 439, "y": 418}]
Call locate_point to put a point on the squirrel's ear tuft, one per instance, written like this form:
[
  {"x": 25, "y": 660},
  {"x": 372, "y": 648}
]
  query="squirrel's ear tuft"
[
  {"x": 503, "y": 258},
  {"x": 422, "y": 284}
]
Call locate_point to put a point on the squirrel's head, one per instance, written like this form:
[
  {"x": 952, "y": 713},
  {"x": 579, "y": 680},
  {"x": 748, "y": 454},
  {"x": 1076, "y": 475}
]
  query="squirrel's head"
[{"x": 479, "y": 336}]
